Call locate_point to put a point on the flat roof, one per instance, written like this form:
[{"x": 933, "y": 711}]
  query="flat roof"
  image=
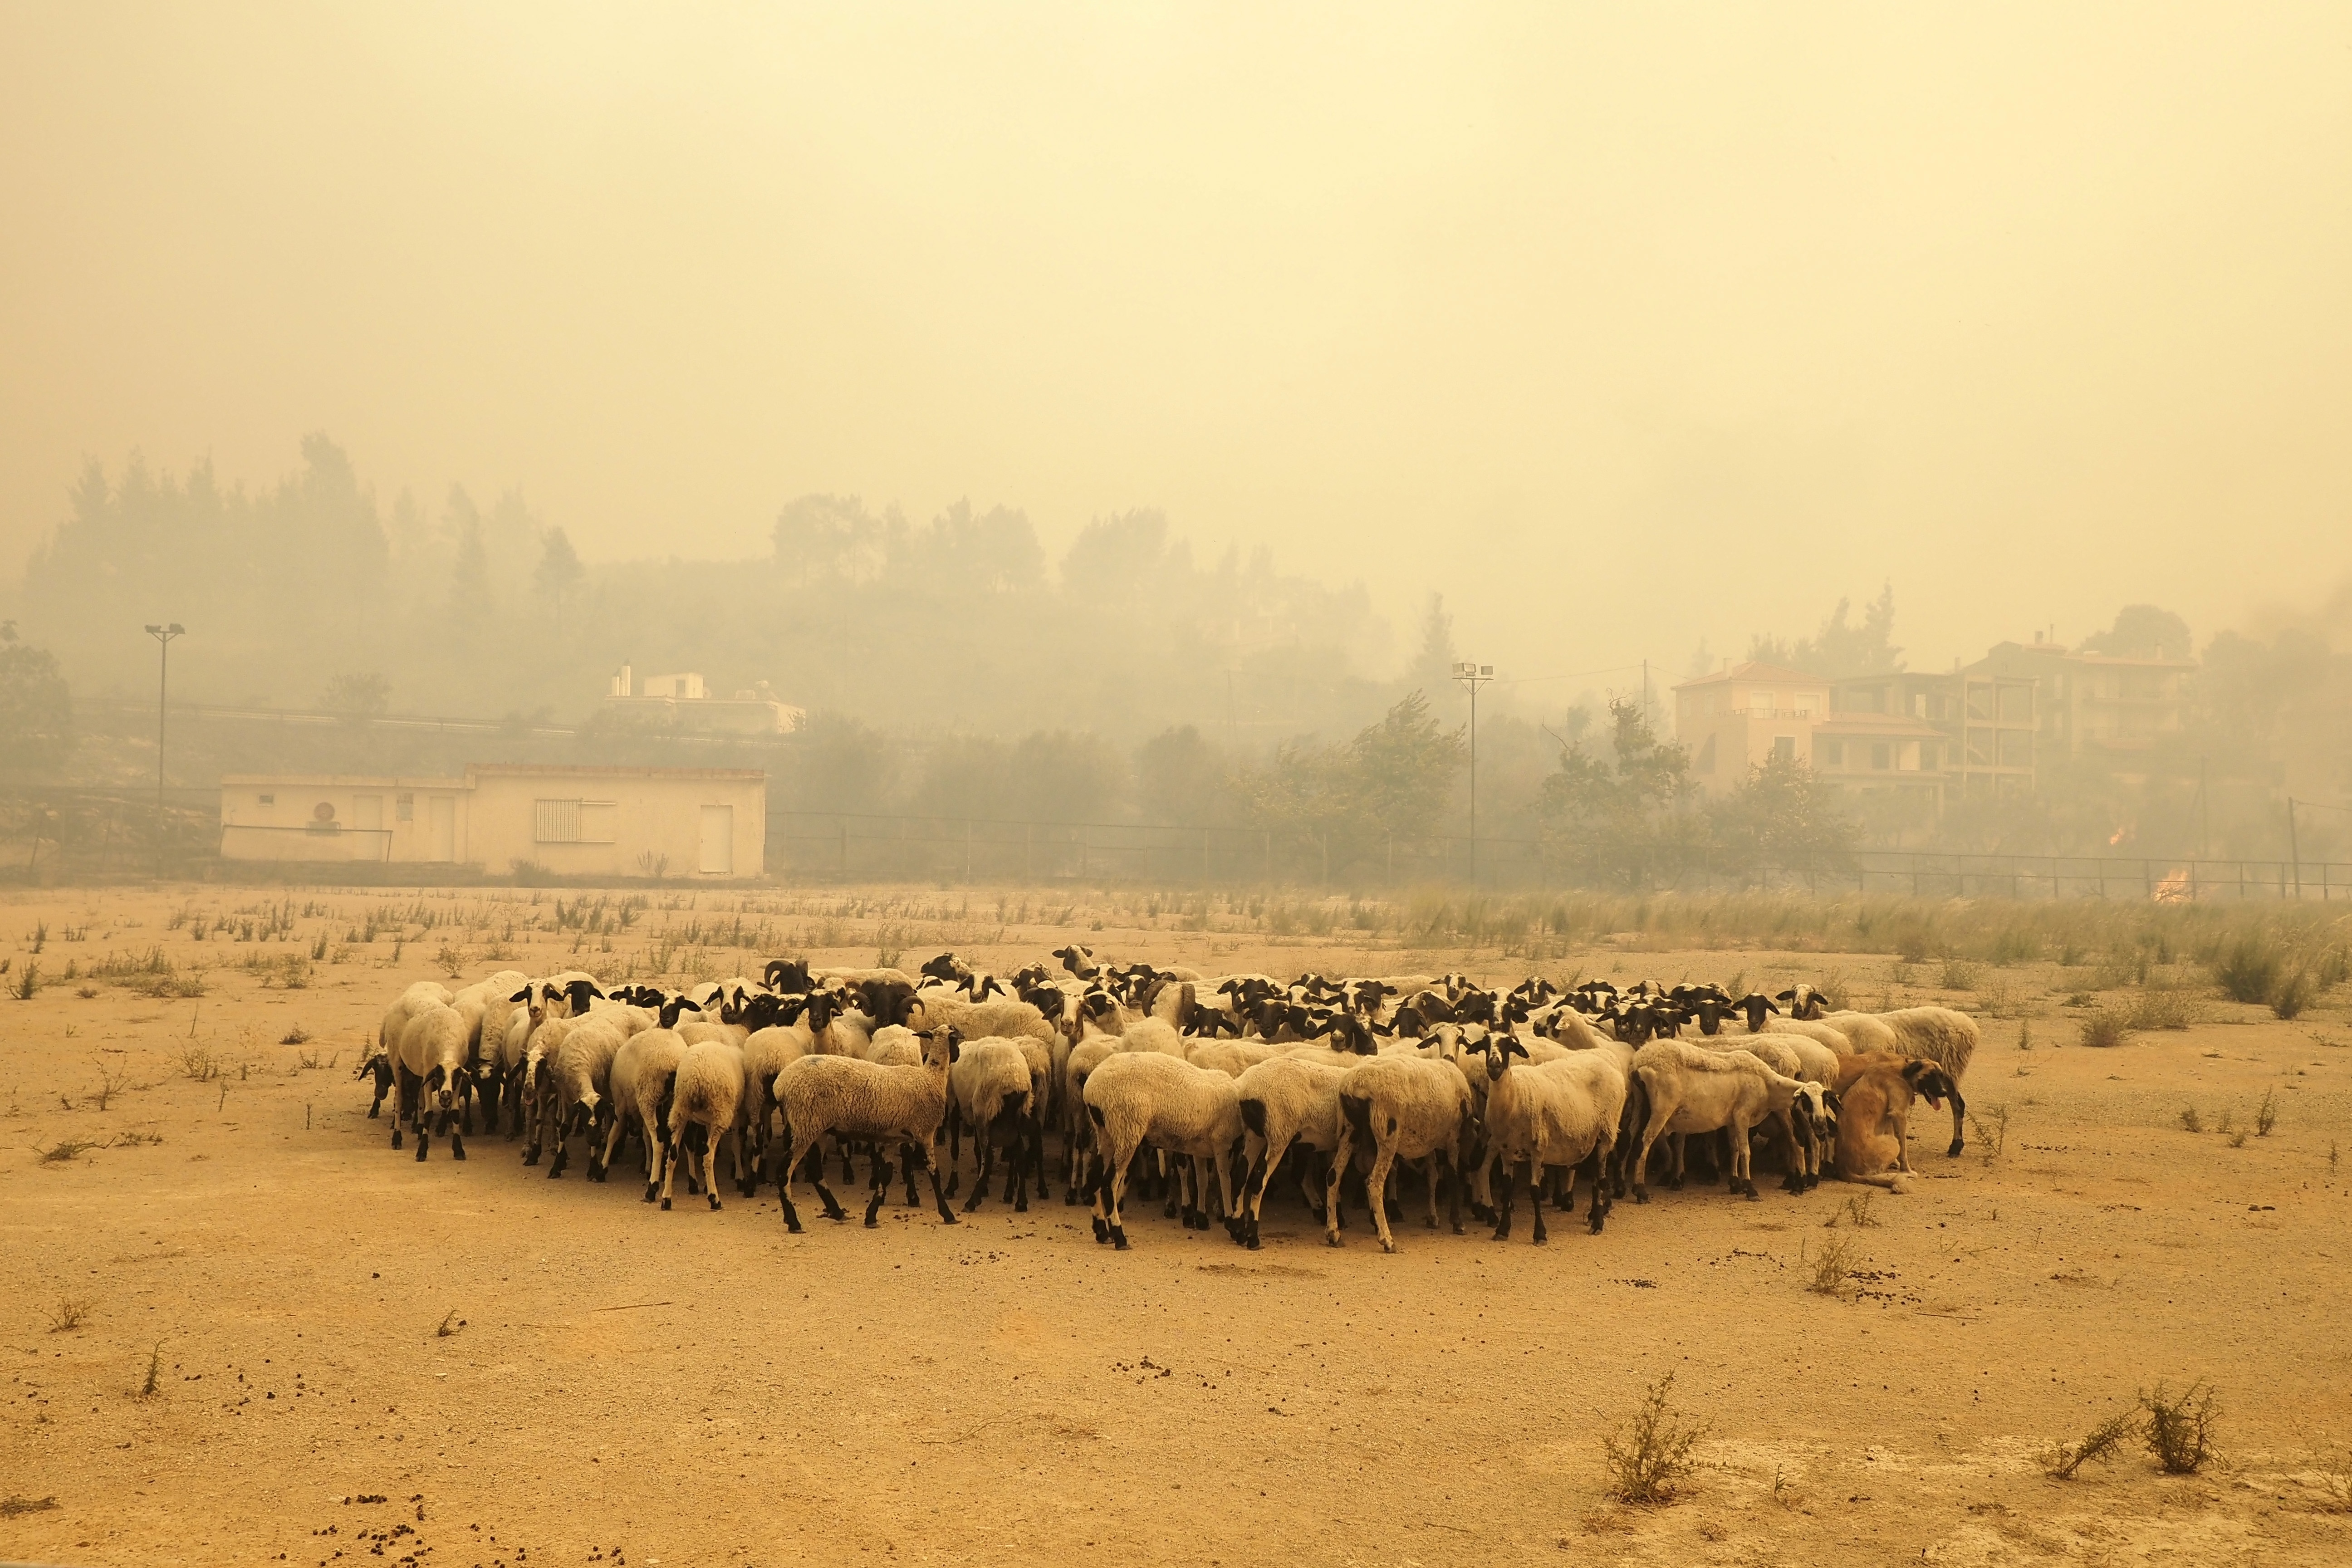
[
  {"x": 1752, "y": 670},
  {"x": 488, "y": 769}
]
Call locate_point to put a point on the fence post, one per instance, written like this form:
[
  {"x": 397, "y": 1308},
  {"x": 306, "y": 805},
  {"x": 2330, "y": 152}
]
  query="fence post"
[
  {"x": 845, "y": 847},
  {"x": 1269, "y": 857},
  {"x": 967, "y": 849},
  {"x": 1327, "y": 862},
  {"x": 1208, "y": 874},
  {"x": 1029, "y": 852}
]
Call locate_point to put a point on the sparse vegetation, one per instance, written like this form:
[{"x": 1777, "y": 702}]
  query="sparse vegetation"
[
  {"x": 148, "y": 1386},
  {"x": 2161, "y": 1008},
  {"x": 2333, "y": 1466},
  {"x": 2100, "y": 1445},
  {"x": 2181, "y": 1427},
  {"x": 1991, "y": 1129},
  {"x": 2189, "y": 1121},
  {"x": 71, "y": 1313},
  {"x": 199, "y": 1063},
  {"x": 297, "y": 1035},
  {"x": 2250, "y": 967},
  {"x": 2103, "y": 1027},
  {"x": 1857, "y": 1212},
  {"x": 2266, "y": 1113},
  {"x": 12, "y": 1506},
  {"x": 1832, "y": 1267},
  {"x": 27, "y": 984},
  {"x": 1649, "y": 1458},
  {"x": 67, "y": 1149},
  {"x": 2294, "y": 992},
  {"x": 451, "y": 1323}
]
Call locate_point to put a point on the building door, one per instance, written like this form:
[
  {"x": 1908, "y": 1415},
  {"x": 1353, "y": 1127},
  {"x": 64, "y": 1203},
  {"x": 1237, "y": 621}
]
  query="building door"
[
  {"x": 441, "y": 827},
  {"x": 718, "y": 841},
  {"x": 367, "y": 816}
]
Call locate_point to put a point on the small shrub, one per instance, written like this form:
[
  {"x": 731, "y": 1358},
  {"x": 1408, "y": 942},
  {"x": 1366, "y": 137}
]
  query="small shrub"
[
  {"x": 452, "y": 961},
  {"x": 294, "y": 973},
  {"x": 2099, "y": 1444},
  {"x": 1962, "y": 975},
  {"x": 2180, "y": 1427},
  {"x": 199, "y": 1063},
  {"x": 28, "y": 982},
  {"x": 1648, "y": 1457},
  {"x": 2163, "y": 1008},
  {"x": 65, "y": 1149},
  {"x": 2266, "y": 1113},
  {"x": 297, "y": 1035},
  {"x": 1992, "y": 1131},
  {"x": 2334, "y": 1466},
  {"x": 2226, "y": 1123},
  {"x": 2189, "y": 1121},
  {"x": 87, "y": 993},
  {"x": 71, "y": 1313},
  {"x": 13, "y": 1505},
  {"x": 147, "y": 1389},
  {"x": 1832, "y": 1266},
  {"x": 2250, "y": 969},
  {"x": 2237, "y": 1138},
  {"x": 2103, "y": 1028},
  {"x": 2294, "y": 993}
]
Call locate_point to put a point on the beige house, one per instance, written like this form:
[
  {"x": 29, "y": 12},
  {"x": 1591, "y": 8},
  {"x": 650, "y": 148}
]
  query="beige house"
[
  {"x": 505, "y": 816},
  {"x": 685, "y": 701}
]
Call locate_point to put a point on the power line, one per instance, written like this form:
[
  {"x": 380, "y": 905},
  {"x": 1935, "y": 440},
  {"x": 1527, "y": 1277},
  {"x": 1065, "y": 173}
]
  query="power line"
[{"x": 1569, "y": 675}]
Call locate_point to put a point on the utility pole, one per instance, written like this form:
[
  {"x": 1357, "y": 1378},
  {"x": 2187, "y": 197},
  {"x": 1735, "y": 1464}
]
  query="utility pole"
[
  {"x": 2293, "y": 848},
  {"x": 1473, "y": 676},
  {"x": 162, "y": 636},
  {"x": 2204, "y": 813}
]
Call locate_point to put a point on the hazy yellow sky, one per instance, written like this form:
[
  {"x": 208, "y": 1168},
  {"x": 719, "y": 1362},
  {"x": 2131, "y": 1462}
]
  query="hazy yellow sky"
[{"x": 1623, "y": 325}]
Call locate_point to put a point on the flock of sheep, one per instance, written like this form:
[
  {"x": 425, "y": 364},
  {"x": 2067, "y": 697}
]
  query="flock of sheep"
[{"x": 1197, "y": 1091}]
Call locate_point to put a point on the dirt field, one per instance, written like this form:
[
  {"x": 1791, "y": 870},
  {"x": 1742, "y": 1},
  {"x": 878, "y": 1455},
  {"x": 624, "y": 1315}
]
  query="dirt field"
[{"x": 358, "y": 1356}]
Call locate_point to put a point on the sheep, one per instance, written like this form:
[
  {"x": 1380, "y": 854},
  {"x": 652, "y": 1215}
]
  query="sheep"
[
  {"x": 844, "y": 1096},
  {"x": 576, "y": 1094},
  {"x": 430, "y": 1060},
  {"x": 1078, "y": 1065},
  {"x": 424, "y": 993},
  {"x": 640, "y": 1077},
  {"x": 853, "y": 978},
  {"x": 1561, "y": 1115},
  {"x": 1401, "y": 1108},
  {"x": 1788, "y": 1049},
  {"x": 705, "y": 1107},
  {"x": 1002, "y": 1018},
  {"x": 1182, "y": 1109},
  {"x": 990, "y": 1090},
  {"x": 1285, "y": 1101},
  {"x": 1690, "y": 1088}
]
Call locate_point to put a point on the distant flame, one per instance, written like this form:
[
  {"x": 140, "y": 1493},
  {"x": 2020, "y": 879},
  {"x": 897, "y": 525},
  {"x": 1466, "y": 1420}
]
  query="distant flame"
[
  {"x": 2120, "y": 834},
  {"x": 2174, "y": 888}
]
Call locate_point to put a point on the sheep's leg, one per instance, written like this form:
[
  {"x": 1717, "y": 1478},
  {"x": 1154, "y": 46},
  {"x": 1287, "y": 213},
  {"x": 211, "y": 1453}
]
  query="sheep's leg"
[
  {"x": 1742, "y": 1180},
  {"x": 881, "y": 1183},
  {"x": 613, "y": 1141},
  {"x": 907, "y": 1169},
  {"x": 784, "y": 1177},
  {"x": 1660, "y": 1114},
  {"x": 1454, "y": 1205},
  {"x": 1226, "y": 1187},
  {"x": 710, "y": 1166},
  {"x": 1019, "y": 1155},
  {"x": 1270, "y": 1155},
  {"x": 1503, "y": 1204},
  {"x": 1535, "y": 1203},
  {"x": 1036, "y": 1159},
  {"x": 1596, "y": 1167},
  {"x": 399, "y": 1101},
  {"x": 1376, "y": 1187},
  {"x": 1340, "y": 1158},
  {"x": 984, "y": 1151},
  {"x": 832, "y": 1209},
  {"x": 656, "y": 1153}
]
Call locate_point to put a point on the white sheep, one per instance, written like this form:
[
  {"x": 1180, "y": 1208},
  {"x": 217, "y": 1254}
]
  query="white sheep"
[
  {"x": 641, "y": 1075},
  {"x": 1285, "y": 1101},
  {"x": 1182, "y": 1109},
  {"x": 574, "y": 1096},
  {"x": 706, "y": 1109},
  {"x": 1561, "y": 1115},
  {"x": 849, "y": 1097},
  {"x": 430, "y": 1063},
  {"x": 990, "y": 1091},
  {"x": 1690, "y": 1088},
  {"x": 1401, "y": 1107}
]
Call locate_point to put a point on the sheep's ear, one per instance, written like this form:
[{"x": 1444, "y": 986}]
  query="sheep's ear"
[
  {"x": 521, "y": 996},
  {"x": 1830, "y": 1099}
]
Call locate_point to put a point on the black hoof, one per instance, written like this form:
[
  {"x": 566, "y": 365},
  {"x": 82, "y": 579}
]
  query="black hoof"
[
  {"x": 791, "y": 1227},
  {"x": 714, "y": 1200},
  {"x": 456, "y": 1150},
  {"x": 1953, "y": 1150},
  {"x": 664, "y": 1206},
  {"x": 651, "y": 1194},
  {"x": 1020, "y": 1206},
  {"x": 420, "y": 1152},
  {"x": 1118, "y": 1241}
]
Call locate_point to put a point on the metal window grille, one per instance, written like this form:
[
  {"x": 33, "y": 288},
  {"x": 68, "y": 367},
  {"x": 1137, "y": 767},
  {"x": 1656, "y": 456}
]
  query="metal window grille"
[{"x": 556, "y": 821}]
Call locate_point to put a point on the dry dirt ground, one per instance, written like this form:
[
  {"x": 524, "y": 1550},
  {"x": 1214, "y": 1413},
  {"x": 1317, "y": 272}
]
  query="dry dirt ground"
[{"x": 356, "y": 1356}]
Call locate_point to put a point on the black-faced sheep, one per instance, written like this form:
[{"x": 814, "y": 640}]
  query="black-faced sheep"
[
  {"x": 1409, "y": 1107},
  {"x": 855, "y": 1099},
  {"x": 1147, "y": 1094}
]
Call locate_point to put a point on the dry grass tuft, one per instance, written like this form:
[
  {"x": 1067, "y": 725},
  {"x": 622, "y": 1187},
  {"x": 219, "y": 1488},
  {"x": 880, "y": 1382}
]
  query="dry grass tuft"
[
  {"x": 2181, "y": 1427},
  {"x": 71, "y": 1313},
  {"x": 12, "y": 1505},
  {"x": 1832, "y": 1266},
  {"x": 2060, "y": 1460},
  {"x": 1650, "y": 1457}
]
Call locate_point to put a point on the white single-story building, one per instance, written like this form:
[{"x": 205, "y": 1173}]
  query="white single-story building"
[{"x": 507, "y": 817}]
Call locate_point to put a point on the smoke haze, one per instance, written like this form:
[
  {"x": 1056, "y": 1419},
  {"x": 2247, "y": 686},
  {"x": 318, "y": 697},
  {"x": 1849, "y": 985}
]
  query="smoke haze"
[{"x": 1622, "y": 328}]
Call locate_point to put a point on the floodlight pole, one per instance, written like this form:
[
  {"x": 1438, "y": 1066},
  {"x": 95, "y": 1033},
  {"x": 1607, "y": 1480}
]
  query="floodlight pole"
[
  {"x": 1472, "y": 677},
  {"x": 162, "y": 636}
]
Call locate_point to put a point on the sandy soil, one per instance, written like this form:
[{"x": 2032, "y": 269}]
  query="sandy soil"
[{"x": 358, "y": 1356}]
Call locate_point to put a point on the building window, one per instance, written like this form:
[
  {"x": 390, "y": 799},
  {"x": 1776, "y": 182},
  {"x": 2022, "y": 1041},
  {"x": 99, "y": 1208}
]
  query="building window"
[
  {"x": 1979, "y": 748},
  {"x": 406, "y": 811},
  {"x": 1980, "y": 701},
  {"x": 555, "y": 821},
  {"x": 1830, "y": 753},
  {"x": 1784, "y": 748},
  {"x": 1806, "y": 702},
  {"x": 1927, "y": 756},
  {"x": 2016, "y": 749},
  {"x": 2017, "y": 705},
  {"x": 1882, "y": 755},
  {"x": 267, "y": 799}
]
